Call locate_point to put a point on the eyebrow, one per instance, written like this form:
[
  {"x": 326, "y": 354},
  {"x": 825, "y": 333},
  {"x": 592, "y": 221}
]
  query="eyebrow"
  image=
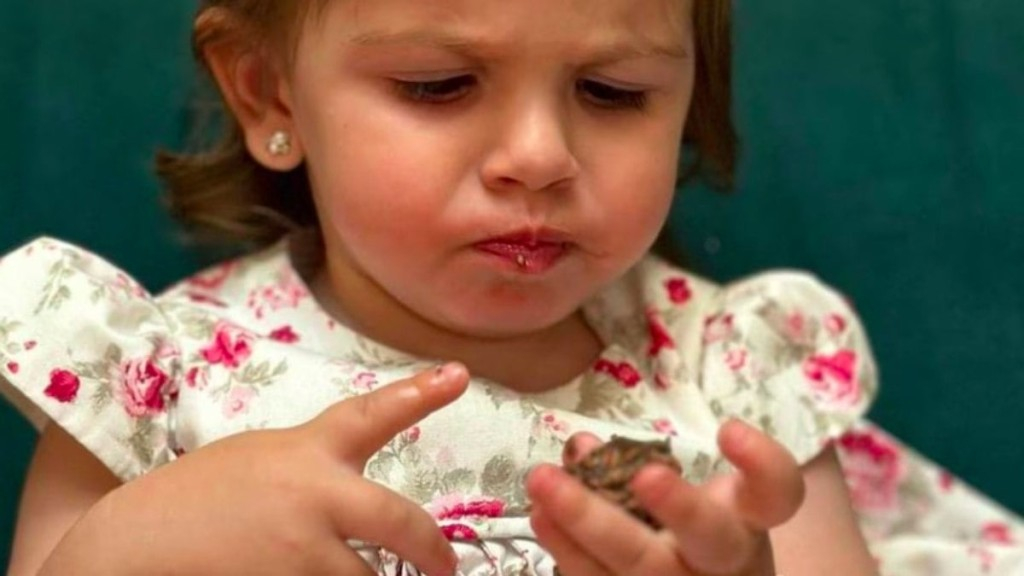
[{"x": 639, "y": 47}]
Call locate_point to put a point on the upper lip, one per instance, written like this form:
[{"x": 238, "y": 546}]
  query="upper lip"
[{"x": 529, "y": 237}]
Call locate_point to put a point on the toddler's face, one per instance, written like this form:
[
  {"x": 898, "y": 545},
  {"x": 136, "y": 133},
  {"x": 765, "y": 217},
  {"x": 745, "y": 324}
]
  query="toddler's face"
[{"x": 490, "y": 164}]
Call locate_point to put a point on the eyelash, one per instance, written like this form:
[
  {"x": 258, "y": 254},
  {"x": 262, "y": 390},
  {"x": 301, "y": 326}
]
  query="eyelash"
[{"x": 448, "y": 90}]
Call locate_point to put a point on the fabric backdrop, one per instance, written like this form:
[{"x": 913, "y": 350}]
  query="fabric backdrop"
[{"x": 883, "y": 149}]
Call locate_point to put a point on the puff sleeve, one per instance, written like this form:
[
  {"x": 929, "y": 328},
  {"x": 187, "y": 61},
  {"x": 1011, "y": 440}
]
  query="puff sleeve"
[
  {"x": 84, "y": 346},
  {"x": 787, "y": 354}
]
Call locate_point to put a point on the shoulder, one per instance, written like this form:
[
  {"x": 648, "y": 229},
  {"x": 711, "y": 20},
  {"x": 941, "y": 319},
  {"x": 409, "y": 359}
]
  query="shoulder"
[
  {"x": 787, "y": 308},
  {"x": 86, "y": 346},
  {"x": 780, "y": 349}
]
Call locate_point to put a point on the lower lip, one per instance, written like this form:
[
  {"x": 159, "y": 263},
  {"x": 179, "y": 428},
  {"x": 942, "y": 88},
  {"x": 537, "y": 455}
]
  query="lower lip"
[{"x": 525, "y": 259}]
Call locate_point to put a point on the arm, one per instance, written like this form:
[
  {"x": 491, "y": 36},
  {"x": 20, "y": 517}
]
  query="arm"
[
  {"x": 823, "y": 536},
  {"x": 64, "y": 481},
  {"x": 196, "y": 515}
]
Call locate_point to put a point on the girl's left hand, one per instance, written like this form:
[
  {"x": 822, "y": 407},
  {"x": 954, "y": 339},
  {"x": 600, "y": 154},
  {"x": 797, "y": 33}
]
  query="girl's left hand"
[{"x": 717, "y": 529}]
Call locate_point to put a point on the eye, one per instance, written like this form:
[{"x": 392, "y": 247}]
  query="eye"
[
  {"x": 435, "y": 91},
  {"x": 608, "y": 96}
]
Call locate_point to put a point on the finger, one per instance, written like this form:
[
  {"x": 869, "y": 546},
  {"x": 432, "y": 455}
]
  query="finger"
[
  {"x": 710, "y": 537},
  {"x": 577, "y": 447},
  {"x": 362, "y": 425},
  {"x": 570, "y": 558},
  {"x": 382, "y": 517},
  {"x": 770, "y": 487},
  {"x": 598, "y": 527}
]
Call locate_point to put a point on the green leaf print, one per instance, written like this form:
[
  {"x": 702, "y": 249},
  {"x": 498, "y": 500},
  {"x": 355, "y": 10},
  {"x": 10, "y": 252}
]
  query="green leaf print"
[
  {"x": 698, "y": 470},
  {"x": 499, "y": 396},
  {"x": 261, "y": 374},
  {"x": 7, "y": 327},
  {"x": 597, "y": 395},
  {"x": 458, "y": 481},
  {"x": 100, "y": 370},
  {"x": 113, "y": 355},
  {"x": 141, "y": 442},
  {"x": 379, "y": 468},
  {"x": 101, "y": 397},
  {"x": 423, "y": 484},
  {"x": 198, "y": 326},
  {"x": 499, "y": 476},
  {"x": 601, "y": 397}
]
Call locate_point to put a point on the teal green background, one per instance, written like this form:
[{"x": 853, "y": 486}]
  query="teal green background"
[{"x": 883, "y": 149}]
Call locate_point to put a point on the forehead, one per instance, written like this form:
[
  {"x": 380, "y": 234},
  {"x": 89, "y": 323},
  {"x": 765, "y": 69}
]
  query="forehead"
[{"x": 516, "y": 24}]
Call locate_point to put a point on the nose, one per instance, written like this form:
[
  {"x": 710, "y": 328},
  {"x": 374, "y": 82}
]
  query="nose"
[{"x": 532, "y": 150}]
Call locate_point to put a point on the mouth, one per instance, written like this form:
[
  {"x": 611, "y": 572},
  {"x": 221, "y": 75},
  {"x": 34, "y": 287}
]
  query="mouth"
[{"x": 527, "y": 251}]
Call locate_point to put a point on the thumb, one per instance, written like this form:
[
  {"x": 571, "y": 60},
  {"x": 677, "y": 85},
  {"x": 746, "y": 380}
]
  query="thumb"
[{"x": 363, "y": 425}]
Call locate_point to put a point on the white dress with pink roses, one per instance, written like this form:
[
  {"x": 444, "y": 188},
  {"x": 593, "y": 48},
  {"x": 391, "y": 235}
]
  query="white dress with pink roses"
[{"x": 141, "y": 379}]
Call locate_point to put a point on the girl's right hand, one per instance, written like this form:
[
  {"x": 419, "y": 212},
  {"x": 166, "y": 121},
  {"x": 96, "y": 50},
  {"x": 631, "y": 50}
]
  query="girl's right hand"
[{"x": 273, "y": 501}]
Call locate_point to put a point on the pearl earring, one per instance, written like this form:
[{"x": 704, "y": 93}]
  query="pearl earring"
[{"x": 280, "y": 143}]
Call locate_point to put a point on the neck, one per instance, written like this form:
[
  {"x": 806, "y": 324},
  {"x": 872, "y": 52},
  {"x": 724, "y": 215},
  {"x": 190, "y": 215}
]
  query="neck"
[{"x": 524, "y": 363}]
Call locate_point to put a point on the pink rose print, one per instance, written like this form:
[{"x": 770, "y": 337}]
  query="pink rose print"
[
  {"x": 553, "y": 424},
  {"x": 835, "y": 324},
  {"x": 231, "y": 346},
  {"x": 457, "y": 507},
  {"x": 736, "y": 359},
  {"x": 213, "y": 278},
  {"x": 718, "y": 327},
  {"x": 986, "y": 558},
  {"x": 946, "y": 480},
  {"x": 63, "y": 386},
  {"x": 286, "y": 293},
  {"x": 873, "y": 467},
  {"x": 445, "y": 457},
  {"x": 795, "y": 326},
  {"x": 199, "y": 298},
  {"x": 30, "y": 345},
  {"x": 412, "y": 434},
  {"x": 459, "y": 532},
  {"x": 13, "y": 367},
  {"x": 665, "y": 426},
  {"x": 237, "y": 401},
  {"x": 660, "y": 338},
  {"x": 624, "y": 372},
  {"x": 365, "y": 381},
  {"x": 129, "y": 286},
  {"x": 197, "y": 378},
  {"x": 997, "y": 533},
  {"x": 140, "y": 387},
  {"x": 678, "y": 290},
  {"x": 833, "y": 378},
  {"x": 284, "y": 334},
  {"x": 165, "y": 350}
]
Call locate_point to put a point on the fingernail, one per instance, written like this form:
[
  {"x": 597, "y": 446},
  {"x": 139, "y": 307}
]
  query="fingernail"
[{"x": 445, "y": 373}]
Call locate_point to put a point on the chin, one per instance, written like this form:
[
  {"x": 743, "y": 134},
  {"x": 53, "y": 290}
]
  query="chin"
[{"x": 506, "y": 324}]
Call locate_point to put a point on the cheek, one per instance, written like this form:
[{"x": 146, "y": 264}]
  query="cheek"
[
  {"x": 376, "y": 179},
  {"x": 639, "y": 188}
]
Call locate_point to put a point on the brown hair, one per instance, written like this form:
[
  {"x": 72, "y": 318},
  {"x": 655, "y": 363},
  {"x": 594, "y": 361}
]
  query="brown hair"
[{"x": 221, "y": 193}]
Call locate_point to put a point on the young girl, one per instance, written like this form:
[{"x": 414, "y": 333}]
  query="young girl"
[{"x": 454, "y": 203}]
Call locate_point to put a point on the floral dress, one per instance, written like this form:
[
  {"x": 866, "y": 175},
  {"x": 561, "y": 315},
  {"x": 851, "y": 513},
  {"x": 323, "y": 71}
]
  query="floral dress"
[{"x": 141, "y": 379}]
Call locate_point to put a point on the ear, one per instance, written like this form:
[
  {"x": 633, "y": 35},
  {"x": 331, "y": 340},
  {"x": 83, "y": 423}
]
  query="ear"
[{"x": 256, "y": 90}]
